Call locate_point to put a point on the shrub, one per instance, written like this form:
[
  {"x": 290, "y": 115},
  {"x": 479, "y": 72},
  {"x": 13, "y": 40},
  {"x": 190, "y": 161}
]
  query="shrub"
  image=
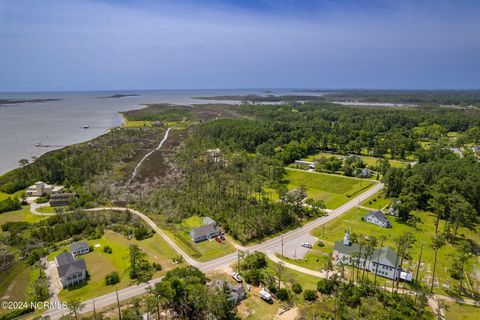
[
  {"x": 309, "y": 295},
  {"x": 321, "y": 244},
  {"x": 107, "y": 249},
  {"x": 112, "y": 278},
  {"x": 297, "y": 288},
  {"x": 254, "y": 277},
  {"x": 156, "y": 266},
  {"x": 9, "y": 204},
  {"x": 42, "y": 200},
  {"x": 282, "y": 294},
  {"x": 326, "y": 286},
  {"x": 141, "y": 233}
]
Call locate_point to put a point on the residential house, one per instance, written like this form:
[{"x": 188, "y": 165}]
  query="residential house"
[
  {"x": 204, "y": 232},
  {"x": 40, "y": 189},
  {"x": 79, "y": 248},
  {"x": 214, "y": 155},
  {"x": 384, "y": 261},
  {"x": 310, "y": 165},
  {"x": 237, "y": 292},
  {"x": 476, "y": 149},
  {"x": 378, "y": 218},
  {"x": 61, "y": 199},
  {"x": 70, "y": 270}
]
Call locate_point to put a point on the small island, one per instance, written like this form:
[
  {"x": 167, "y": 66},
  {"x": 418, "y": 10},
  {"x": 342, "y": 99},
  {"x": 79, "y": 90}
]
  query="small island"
[
  {"x": 116, "y": 96},
  {"x": 17, "y": 101}
]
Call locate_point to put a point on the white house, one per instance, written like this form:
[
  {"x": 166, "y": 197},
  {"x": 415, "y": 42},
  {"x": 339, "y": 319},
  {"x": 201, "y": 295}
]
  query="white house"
[
  {"x": 40, "y": 189},
  {"x": 384, "y": 261},
  {"x": 70, "y": 270},
  {"x": 378, "y": 218}
]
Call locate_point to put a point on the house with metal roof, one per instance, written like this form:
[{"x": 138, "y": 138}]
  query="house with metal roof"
[
  {"x": 70, "y": 270},
  {"x": 383, "y": 261},
  {"x": 79, "y": 248},
  {"x": 61, "y": 199},
  {"x": 205, "y": 232},
  {"x": 237, "y": 292},
  {"x": 378, "y": 218}
]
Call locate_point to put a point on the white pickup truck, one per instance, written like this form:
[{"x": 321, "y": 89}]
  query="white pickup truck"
[{"x": 265, "y": 295}]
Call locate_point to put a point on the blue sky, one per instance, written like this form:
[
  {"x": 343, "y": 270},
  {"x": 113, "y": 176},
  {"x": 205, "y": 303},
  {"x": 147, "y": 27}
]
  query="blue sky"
[{"x": 55, "y": 45}]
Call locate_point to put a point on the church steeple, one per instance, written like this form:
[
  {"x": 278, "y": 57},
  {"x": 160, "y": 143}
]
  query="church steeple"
[{"x": 346, "y": 238}]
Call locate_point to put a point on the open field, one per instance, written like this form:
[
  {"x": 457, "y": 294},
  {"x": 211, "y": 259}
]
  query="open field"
[
  {"x": 100, "y": 263},
  {"x": 422, "y": 232},
  {"x": 23, "y": 214},
  {"x": 313, "y": 260},
  {"x": 14, "y": 284},
  {"x": 462, "y": 312},
  {"x": 4, "y": 196},
  {"x": 377, "y": 201},
  {"x": 333, "y": 189},
  {"x": 369, "y": 161},
  {"x": 202, "y": 251},
  {"x": 49, "y": 209}
]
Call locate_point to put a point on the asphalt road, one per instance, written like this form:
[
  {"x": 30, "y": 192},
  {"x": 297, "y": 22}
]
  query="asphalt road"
[{"x": 269, "y": 246}]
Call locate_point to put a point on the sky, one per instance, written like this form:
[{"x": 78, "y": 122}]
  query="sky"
[{"x": 66, "y": 45}]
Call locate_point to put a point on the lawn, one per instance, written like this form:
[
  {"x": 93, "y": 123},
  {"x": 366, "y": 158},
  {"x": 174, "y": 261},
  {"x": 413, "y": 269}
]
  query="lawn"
[
  {"x": 462, "y": 312},
  {"x": 201, "y": 251},
  {"x": 369, "y": 161},
  {"x": 100, "y": 263},
  {"x": 376, "y": 201},
  {"x": 335, "y": 190},
  {"x": 313, "y": 260},
  {"x": 14, "y": 283},
  {"x": 423, "y": 232},
  {"x": 23, "y": 214},
  {"x": 4, "y": 196}
]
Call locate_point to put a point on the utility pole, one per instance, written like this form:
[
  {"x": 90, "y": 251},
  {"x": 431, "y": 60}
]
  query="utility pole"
[
  {"x": 94, "y": 311},
  {"x": 118, "y": 305},
  {"x": 323, "y": 232},
  {"x": 282, "y": 245},
  {"x": 238, "y": 261}
]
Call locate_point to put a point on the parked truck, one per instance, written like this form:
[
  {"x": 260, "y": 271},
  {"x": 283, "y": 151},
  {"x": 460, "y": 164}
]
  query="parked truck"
[{"x": 265, "y": 295}]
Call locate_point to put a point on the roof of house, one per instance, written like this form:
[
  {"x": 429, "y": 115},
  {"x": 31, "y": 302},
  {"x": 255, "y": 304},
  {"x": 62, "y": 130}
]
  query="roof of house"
[
  {"x": 61, "y": 196},
  {"x": 68, "y": 265},
  {"x": 64, "y": 258},
  {"x": 388, "y": 256},
  {"x": 237, "y": 292},
  {"x": 204, "y": 230},
  {"x": 78, "y": 245},
  {"x": 71, "y": 268},
  {"x": 379, "y": 215}
]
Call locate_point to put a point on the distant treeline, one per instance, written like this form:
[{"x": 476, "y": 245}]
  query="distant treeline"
[
  {"x": 17, "y": 101},
  {"x": 159, "y": 112},
  {"x": 441, "y": 97},
  {"x": 268, "y": 98}
]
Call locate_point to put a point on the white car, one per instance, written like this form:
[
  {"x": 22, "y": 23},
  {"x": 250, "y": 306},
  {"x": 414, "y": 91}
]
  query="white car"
[
  {"x": 237, "y": 277},
  {"x": 306, "y": 245},
  {"x": 265, "y": 295}
]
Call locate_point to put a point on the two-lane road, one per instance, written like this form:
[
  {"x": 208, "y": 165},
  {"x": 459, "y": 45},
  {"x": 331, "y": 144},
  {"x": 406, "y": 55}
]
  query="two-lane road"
[{"x": 268, "y": 246}]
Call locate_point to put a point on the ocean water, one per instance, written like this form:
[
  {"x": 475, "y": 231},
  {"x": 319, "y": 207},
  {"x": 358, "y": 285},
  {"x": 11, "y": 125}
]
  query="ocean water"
[{"x": 60, "y": 123}]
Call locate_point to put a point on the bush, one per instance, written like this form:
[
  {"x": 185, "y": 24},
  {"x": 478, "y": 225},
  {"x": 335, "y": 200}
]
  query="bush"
[
  {"x": 42, "y": 200},
  {"x": 282, "y": 294},
  {"x": 297, "y": 288},
  {"x": 326, "y": 286},
  {"x": 156, "y": 266},
  {"x": 9, "y": 204},
  {"x": 309, "y": 295},
  {"x": 321, "y": 244},
  {"x": 107, "y": 249},
  {"x": 142, "y": 232},
  {"x": 112, "y": 278},
  {"x": 253, "y": 277}
]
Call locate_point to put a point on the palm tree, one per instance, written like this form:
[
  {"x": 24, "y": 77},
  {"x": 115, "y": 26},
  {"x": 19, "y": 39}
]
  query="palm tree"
[{"x": 438, "y": 241}]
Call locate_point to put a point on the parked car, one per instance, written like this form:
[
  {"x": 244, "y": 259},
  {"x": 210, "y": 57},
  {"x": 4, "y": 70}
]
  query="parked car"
[
  {"x": 265, "y": 295},
  {"x": 307, "y": 245},
  {"x": 237, "y": 277},
  {"x": 222, "y": 237},
  {"x": 218, "y": 239}
]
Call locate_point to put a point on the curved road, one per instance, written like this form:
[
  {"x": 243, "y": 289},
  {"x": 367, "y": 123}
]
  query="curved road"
[{"x": 267, "y": 246}]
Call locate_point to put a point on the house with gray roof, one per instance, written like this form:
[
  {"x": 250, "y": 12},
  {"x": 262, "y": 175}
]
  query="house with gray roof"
[
  {"x": 205, "y": 232},
  {"x": 378, "y": 218},
  {"x": 79, "y": 248},
  {"x": 70, "y": 270},
  {"x": 237, "y": 292},
  {"x": 383, "y": 261}
]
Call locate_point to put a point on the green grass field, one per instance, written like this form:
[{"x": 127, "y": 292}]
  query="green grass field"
[
  {"x": 334, "y": 230},
  {"x": 4, "y": 196},
  {"x": 23, "y": 214},
  {"x": 376, "y": 201},
  {"x": 462, "y": 312},
  {"x": 100, "y": 263},
  {"x": 14, "y": 284},
  {"x": 313, "y": 260},
  {"x": 201, "y": 251},
  {"x": 369, "y": 161},
  {"x": 335, "y": 190}
]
